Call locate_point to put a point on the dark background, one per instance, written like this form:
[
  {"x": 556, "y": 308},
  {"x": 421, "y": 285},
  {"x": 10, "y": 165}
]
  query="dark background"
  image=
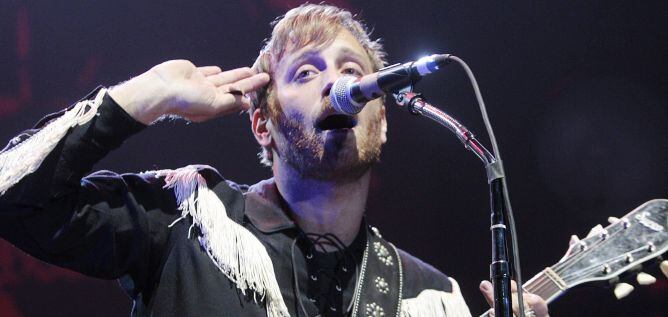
[{"x": 576, "y": 90}]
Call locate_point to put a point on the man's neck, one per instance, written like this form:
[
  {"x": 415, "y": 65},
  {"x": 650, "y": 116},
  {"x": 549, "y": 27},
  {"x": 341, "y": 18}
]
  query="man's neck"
[{"x": 324, "y": 206}]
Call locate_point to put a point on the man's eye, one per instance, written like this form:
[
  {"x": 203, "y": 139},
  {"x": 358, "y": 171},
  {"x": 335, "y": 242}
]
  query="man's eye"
[
  {"x": 304, "y": 74},
  {"x": 352, "y": 71}
]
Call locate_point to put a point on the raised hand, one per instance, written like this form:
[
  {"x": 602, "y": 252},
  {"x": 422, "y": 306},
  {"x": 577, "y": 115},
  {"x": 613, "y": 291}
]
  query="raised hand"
[{"x": 180, "y": 88}]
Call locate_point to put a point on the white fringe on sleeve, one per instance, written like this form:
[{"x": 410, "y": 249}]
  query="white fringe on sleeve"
[
  {"x": 25, "y": 158},
  {"x": 433, "y": 303},
  {"x": 235, "y": 250}
]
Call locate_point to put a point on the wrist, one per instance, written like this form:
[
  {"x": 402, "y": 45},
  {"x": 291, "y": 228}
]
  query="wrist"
[{"x": 142, "y": 97}]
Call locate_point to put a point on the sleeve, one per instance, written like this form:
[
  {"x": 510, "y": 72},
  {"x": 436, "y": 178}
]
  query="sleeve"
[{"x": 104, "y": 225}]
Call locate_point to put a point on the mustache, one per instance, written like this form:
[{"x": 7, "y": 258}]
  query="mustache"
[{"x": 326, "y": 107}]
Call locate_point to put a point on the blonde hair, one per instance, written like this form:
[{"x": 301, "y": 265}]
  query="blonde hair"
[{"x": 308, "y": 24}]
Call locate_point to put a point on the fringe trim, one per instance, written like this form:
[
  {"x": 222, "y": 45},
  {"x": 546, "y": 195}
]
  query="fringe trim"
[
  {"x": 235, "y": 251},
  {"x": 24, "y": 158},
  {"x": 433, "y": 303}
]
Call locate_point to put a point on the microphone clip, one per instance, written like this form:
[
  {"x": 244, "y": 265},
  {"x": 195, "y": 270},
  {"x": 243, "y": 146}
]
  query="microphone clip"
[{"x": 408, "y": 99}]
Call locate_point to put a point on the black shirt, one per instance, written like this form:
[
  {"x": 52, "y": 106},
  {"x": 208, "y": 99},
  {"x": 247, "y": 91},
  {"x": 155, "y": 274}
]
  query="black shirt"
[{"x": 114, "y": 226}]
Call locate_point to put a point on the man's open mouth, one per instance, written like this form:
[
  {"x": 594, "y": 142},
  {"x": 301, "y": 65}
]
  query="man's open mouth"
[{"x": 336, "y": 121}]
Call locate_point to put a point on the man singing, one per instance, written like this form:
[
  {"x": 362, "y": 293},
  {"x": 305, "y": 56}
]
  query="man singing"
[{"x": 187, "y": 242}]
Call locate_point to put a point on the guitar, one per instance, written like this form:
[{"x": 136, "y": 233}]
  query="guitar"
[{"x": 606, "y": 253}]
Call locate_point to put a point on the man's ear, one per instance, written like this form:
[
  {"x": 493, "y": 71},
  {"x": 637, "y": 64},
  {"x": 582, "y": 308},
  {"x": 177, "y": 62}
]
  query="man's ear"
[
  {"x": 383, "y": 125},
  {"x": 259, "y": 125}
]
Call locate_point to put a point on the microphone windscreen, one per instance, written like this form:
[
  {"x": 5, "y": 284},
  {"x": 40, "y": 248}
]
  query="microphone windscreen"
[{"x": 341, "y": 98}]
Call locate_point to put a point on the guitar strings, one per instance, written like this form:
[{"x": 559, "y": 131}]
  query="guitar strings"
[
  {"x": 577, "y": 256},
  {"x": 594, "y": 267},
  {"x": 544, "y": 286},
  {"x": 544, "y": 283}
]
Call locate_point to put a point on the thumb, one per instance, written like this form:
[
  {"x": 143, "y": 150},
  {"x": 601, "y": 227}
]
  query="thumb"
[{"x": 488, "y": 292}]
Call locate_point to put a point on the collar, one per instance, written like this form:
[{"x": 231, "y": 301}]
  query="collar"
[{"x": 263, "y": 208}]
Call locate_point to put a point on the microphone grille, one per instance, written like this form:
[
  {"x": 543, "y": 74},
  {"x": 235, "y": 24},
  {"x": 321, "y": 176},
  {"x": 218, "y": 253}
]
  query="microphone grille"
[{"x": 340, "y": 96}]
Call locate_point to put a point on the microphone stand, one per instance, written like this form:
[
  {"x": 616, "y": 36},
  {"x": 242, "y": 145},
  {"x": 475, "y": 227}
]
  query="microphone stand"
[{"x": 499, "y": 268}]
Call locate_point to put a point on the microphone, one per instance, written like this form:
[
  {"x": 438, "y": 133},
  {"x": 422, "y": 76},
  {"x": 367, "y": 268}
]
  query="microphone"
[{"x": 349, "y": 94}]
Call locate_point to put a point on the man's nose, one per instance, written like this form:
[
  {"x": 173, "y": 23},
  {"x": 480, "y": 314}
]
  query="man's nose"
[
  {"x": 327, "y": 88},
  {"x": 328, "y": 81}
]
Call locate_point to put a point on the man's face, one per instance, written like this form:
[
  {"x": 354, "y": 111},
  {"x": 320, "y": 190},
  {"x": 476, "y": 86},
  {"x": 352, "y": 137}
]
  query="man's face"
[{"x": 308, "y": 135}]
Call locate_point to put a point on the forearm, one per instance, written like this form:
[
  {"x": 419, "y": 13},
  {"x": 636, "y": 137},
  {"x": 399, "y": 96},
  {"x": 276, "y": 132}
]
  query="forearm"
[
  {"x": 67, "y": 147},
  {"x": 106, "y": 224},
  {"x": 60, "y": 216},
  {"x": 73, "y": 156}
]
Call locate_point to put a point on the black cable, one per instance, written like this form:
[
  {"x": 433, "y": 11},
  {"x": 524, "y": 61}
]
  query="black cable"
[{"x": 506, "y": 196}]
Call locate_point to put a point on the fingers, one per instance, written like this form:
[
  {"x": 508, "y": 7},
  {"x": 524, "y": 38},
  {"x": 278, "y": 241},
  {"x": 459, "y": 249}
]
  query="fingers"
[
  {"x": 234, "y": 94},
  {"x": 230, "y": 76},
  {"x": 531, "y": 301},
  {"x": 209, "y": 70},
  {"x": 241, "y": 80},
  {"x": 249, "y": 84},
  {"x": 215, "y": 92},
  {"x": 488, "y": 292},
  {"x": 227, "y": 103},
  {"x": 537, "y": 304}
]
